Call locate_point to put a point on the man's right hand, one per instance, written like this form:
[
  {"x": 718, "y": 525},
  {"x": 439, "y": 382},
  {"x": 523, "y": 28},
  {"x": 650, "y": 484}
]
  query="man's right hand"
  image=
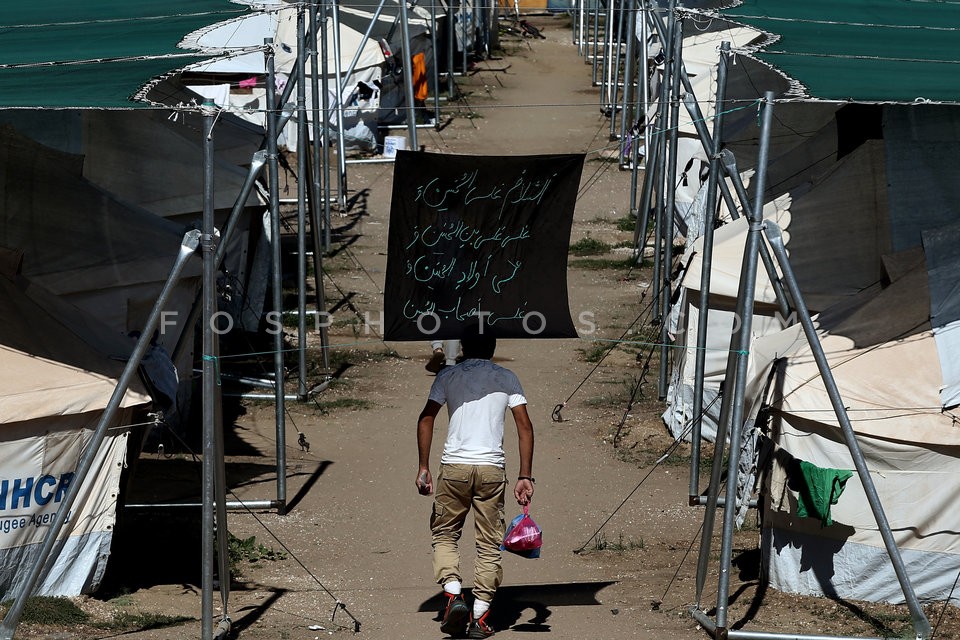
[{"x": 425, "y": 482}]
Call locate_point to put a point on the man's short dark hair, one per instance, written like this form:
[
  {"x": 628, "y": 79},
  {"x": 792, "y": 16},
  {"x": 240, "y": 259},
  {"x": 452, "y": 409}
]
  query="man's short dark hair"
[{"x": 478, "y": 341}]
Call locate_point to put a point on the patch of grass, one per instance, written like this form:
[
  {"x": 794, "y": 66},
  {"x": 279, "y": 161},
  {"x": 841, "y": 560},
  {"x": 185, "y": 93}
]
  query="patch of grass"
[
  {"x": 619, "y": 396},
  {"x": 627, "y": 223},
  {"x": 593, "y": 353},
  {"x": 347, "y": 357},
  {"x": 589, "y": 247},
  {"x": 248, "y": 551},
  {"x": 140, "y": 621},
  {"x": 49, "y": 610},
  {"x": 354, "y": 404},
  {"x": 122, "y": 601},
  {"x": 599, "y": 264},
  {"x": 621, "y": 545},
  {"x": 63, "y": 612}
]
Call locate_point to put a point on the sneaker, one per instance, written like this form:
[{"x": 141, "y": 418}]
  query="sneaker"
[
  {"x": 479, "y": 627},
  {"x": 437, "y": 362},
  {"x": 456, "y": 616}
]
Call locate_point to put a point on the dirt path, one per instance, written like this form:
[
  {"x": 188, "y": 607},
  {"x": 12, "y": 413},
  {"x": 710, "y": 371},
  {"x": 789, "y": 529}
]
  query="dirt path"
[
  {"x": 362, "y": 525},
  {"x": 357, "y": 530}
]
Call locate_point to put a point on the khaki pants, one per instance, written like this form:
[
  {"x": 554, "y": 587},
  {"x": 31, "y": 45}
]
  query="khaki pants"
[{"x": 460, "y": 487}]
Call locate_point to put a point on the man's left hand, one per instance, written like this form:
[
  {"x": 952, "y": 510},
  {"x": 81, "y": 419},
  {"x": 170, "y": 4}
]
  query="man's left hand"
[{"x": 523, "y": 491}]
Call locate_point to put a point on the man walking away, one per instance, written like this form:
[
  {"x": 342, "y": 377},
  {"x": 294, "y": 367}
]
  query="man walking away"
[{"x": 472, "y": 474}]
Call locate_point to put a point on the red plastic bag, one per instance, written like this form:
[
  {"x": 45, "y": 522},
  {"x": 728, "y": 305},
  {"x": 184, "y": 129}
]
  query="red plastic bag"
[{"x": 524, "y": 536}]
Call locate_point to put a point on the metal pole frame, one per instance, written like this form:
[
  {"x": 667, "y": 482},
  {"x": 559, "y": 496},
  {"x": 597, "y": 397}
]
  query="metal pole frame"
[
  {"x": 277, "y": 280},
  {"x": 214, "y": 513},
  {"x": 644, "y": 77},
  {"x": 920, "y": 623},
  {"x": 408, "y": 76},
  {"x": 595, "y": 41},
  {"x": 325, "y": 101},
  {"x": 463, "y": 32},
  {"x": 451, "y": 49},
  {"x": 606, "y": 64},
  {"x": 616, "y": 55},
  {"x": 341, "y": 144},
  {"x": 436, "y": 67},
  {"x": 320, "y": 232},
  {"x": 709, "y": 224},
  {"x": 628, "y": 112},
  {"x": 739, "y": 355},
  {"x": 301, "y": 205},
  {"x": 670, "y": 195}
]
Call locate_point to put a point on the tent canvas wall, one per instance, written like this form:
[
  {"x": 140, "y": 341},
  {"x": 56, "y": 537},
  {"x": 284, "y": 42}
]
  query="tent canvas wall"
[
  {"x": 56, "y": 386},
  {"x": 880, "y": 319},
  {"x": 884, "y": 357},
  {"x": 237, "y": 83},
  {"x": 831, "y": 201}
]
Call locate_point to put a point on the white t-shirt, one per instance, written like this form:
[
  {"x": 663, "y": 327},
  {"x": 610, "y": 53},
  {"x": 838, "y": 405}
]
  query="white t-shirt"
[{"x": 477, "y": 393}]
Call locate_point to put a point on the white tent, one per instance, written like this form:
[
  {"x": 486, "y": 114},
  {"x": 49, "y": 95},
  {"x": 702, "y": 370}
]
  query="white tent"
[
  {"x": 237, "y": 82},
  {"x": 56, "y": 386},
  {"x": 884, "y": 358},
  {"x": 887, "y": 323}
]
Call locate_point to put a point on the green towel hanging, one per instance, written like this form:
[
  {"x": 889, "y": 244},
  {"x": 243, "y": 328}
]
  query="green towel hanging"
[{"x": 820, "y": 488}]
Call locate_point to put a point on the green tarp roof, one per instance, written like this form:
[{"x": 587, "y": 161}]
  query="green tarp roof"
[
  {"x": 861, "y": 50},
  {"x": 96, "y": 53}
]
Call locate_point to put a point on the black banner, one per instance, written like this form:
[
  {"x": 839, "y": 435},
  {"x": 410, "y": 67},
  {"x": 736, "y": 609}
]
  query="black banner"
[{"x": 480, "y": 237}]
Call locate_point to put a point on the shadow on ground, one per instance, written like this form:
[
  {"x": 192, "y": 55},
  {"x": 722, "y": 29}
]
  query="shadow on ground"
[{"x": 511, "y": 603}]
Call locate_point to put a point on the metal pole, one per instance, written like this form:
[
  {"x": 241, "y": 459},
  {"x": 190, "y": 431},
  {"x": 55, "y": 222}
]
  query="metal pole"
[
  {"x": 730, "y": 166},
  {"x": 214, "y": 515},
  {"x": 325, "y": 99},
  {"x": 644, "y": 80},
  {"x": 627, "y": 115},
  {"x": 451, "y": 55},
  {"x": 595, "y": 42},
  {"x": 319, "y": 134},
  {"x": 578, "y": 37},
  {"x": 256, "y": 166},
  {"x": 408, "y": 76},
  {"x": 670, "y": 195},
  {"x": 706, "y": 271},
  {"x": 920, "y": 623},
  {"x": 650, "y": 177},
  {"x": 436, "y": 67},
  {"x": 463, "y": 32},
  {"x": 341, "y": 144},
  {"x": 661, "y": 171},
  {"x": 188, "y": 246},
  {"x": 482, "y": 17},
  {"x": 734, "y": 634},
  {"x": 277, "y": 284},
  {"x": 616, "y": 54},
  {"x": 301, "y": 203},
  {"x": 320, "y": 244},
  {"x": 748, "y": 280},
  {"x": 607, "y": 65}
]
